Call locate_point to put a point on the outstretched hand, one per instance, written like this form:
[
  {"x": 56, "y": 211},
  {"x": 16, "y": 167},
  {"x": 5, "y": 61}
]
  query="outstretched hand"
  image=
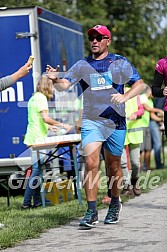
[
  {"x": 24, "y": 70},
  {"x": 53, "y": 73},
  {"x": 21, "y": 72}
]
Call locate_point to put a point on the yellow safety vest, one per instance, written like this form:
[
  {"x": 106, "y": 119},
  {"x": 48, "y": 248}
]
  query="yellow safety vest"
[
  {"x": 146, "y": 115},
  {"x": 134, "y": 130}
]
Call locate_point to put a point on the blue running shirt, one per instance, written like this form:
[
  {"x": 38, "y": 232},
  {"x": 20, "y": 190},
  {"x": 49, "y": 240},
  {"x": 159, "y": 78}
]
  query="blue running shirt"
[{"x": 100, "y": 79}]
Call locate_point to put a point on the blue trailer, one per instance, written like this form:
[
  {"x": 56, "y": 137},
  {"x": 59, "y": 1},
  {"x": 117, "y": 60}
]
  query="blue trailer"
[{"x": 51, "y": 39}]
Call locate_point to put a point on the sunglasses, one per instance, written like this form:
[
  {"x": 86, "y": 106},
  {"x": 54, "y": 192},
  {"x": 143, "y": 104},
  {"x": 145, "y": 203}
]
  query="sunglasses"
[{"x": 98, "y": 38}]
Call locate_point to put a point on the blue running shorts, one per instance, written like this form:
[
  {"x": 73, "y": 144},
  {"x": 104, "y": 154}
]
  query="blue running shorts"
[{"x": 97, "y": 131}]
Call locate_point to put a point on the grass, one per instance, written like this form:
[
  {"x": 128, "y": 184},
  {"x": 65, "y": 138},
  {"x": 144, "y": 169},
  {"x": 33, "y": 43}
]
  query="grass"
[{"x": 21, "y": 225}]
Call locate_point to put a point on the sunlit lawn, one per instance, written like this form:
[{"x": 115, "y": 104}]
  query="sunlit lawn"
[{"x": 25, "y": 224}]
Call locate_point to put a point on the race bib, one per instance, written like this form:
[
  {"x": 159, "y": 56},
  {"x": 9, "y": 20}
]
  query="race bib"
[{"x": 101, "y": 81}]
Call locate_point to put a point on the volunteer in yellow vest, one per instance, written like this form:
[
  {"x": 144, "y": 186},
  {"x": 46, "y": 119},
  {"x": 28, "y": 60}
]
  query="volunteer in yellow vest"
[{"x": 134, "y": 137}]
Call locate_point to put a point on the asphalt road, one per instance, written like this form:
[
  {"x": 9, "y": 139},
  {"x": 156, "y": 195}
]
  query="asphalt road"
[{"x": 142, "y": 228}]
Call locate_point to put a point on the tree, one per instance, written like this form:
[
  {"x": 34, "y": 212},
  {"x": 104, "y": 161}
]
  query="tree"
[
  {"x": 136, "y": 26},
  {"x": 137, "y": 32}
]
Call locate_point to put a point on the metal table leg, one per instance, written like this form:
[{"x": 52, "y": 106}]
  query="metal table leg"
[
  {"x": 74, "y": 158},
  {"x": 42, "y": 191}
]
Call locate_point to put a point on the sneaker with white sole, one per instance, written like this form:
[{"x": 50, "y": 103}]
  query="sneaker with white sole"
[
  {"x": 90, "y": 219},
  {"x": 112, "y": 216}
]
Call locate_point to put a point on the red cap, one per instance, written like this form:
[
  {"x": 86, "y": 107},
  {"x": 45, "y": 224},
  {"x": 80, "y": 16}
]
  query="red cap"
[{"x": 101, "y": 29}]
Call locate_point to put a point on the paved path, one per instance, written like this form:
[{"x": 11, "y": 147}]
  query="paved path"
[{"x": 142, "y": 228}]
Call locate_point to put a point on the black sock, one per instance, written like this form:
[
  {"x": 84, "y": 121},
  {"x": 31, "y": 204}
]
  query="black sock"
[
  {"x": 92, "y": 205},
  {"x": 109, "y": 193},
  {"x": 114, "y": 200}
]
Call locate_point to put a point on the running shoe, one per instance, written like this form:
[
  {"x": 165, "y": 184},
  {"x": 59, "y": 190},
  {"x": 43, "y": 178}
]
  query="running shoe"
[
  {"x": 90, "y": 219},
  {"x": 112, "y": 216}
]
